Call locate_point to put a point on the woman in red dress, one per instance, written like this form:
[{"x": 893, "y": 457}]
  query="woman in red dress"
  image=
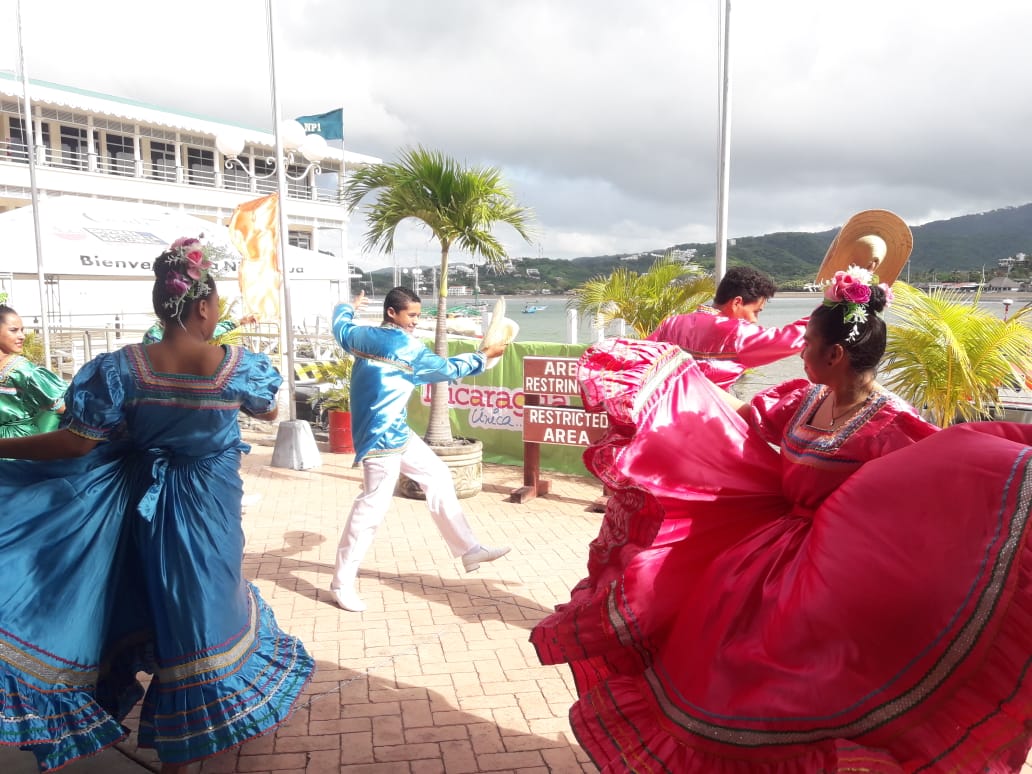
[{"x": 860, "y": 601}]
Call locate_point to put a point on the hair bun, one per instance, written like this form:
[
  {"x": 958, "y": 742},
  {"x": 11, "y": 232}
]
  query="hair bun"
[
  {"x": 878, "y": 300},
  {"x": 162, "y": 264}
]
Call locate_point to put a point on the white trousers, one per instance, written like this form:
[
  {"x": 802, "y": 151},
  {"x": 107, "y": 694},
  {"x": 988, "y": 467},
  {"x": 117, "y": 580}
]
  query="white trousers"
[{"x": 379, "y": 477}]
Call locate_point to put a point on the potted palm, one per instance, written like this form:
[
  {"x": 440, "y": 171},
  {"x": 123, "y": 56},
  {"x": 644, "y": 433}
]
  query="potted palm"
[
  {"x": 460, "y": 205},
  {"x": 643, "y": 300},
  {"x": 334, "y": 398},
  {"x": 949, "y": 357}
]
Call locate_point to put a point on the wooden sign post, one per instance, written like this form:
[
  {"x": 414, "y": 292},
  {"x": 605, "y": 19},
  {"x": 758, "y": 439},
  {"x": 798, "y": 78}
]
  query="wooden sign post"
[{"x": 544, "y": 378}]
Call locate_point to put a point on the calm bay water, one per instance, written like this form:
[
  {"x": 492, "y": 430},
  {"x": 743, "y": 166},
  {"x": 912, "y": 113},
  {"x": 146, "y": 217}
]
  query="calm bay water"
[{"x": 549, "y": 324}]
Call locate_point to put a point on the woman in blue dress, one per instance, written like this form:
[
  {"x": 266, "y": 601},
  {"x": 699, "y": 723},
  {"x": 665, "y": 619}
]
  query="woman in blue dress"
[{"x": 121, "y": 547}]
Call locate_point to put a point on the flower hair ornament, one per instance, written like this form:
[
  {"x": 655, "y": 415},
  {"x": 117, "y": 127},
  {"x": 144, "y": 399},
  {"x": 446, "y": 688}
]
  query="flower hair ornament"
[
  {"x": 187, "y": 277},
  {"x": 852, "y": 290}
]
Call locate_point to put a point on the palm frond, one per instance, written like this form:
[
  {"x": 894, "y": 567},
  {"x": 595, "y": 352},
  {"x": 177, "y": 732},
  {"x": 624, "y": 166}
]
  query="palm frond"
[
  {"x": 459, "y": 204},
  {"x": 948, "y": 356},
  {"x": 642, "y": 301}
]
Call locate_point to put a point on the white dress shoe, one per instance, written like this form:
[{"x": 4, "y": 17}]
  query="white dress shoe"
[
  {"x": 349, "y": 600},
  {"x": 472, "y": 559}
]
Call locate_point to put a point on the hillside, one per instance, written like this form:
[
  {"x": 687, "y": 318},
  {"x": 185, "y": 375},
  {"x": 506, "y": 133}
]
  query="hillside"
[
  {"x": 959, "y": 247},
  {"x": 965, "y": 244}
]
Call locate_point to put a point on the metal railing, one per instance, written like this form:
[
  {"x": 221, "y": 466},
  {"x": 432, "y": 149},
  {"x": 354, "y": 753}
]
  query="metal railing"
[
  {"x": 163, "y": 170},
  {"x": 72, "y": 347}
]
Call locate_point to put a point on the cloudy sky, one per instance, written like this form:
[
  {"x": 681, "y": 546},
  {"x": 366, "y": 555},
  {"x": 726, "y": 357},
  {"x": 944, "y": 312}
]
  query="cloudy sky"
[{"x": 604, "y": 115}]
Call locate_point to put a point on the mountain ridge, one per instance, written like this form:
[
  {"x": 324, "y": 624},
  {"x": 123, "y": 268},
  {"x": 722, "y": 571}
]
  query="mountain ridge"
[
  {"x": 966, "y": 243},
  {"x": 963, "y": 243}
]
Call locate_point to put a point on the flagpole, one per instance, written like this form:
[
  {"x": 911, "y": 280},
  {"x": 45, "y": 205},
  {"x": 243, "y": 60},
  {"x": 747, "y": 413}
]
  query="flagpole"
[
  {"x": 30, "y": 147},
  {"x": 295, "y": 444},
  {"x": 340, "y": 195},
  {"x": 287, "y": 331},
  {"x": 723, "y": 181}
]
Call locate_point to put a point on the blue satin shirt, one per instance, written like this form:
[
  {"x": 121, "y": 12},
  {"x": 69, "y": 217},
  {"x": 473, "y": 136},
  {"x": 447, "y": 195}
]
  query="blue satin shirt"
[{"x": 388, "y": 364}]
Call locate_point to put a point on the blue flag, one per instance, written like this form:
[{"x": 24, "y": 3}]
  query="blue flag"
[{"x": 329, "y": 125}]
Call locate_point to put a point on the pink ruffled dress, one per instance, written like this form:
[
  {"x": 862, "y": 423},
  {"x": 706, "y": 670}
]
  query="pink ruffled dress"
[{"x": 768, "y": 596}]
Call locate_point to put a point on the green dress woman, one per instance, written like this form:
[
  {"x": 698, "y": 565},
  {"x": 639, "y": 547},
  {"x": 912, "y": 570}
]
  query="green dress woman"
[{"x": 31, "y": 397}]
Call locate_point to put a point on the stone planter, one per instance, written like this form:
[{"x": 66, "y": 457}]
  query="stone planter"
[{"x": 465, "y": 461}]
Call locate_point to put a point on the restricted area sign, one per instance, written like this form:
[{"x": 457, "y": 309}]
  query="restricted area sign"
[
  {"x": 550, "y": 376},
  {"x": 563, "y": 426},
  {"x": 543, "y": 378},
  {"x": 549, "y": 424}
]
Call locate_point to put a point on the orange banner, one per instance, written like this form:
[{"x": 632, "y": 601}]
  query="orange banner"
[{"x": 254, "y": 229}]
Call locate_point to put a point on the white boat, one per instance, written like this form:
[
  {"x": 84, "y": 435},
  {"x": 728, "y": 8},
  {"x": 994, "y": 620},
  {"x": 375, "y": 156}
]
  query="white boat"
[
  {"x": 532, "y": 308},
  {"x": 456, "y": 325}
]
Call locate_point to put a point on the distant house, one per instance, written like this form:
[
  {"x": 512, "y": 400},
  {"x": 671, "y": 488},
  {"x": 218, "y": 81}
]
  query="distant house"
[
  {"x": 684, "y": 255},
  {"x": 1002, "y": 284}
]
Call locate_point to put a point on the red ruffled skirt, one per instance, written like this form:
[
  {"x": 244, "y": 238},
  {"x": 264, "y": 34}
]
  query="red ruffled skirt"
[{"x": 721, "y": 632}]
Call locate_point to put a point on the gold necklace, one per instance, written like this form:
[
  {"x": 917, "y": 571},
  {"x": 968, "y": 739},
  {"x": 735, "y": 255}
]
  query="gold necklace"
[{"x": 851, "y": 407}]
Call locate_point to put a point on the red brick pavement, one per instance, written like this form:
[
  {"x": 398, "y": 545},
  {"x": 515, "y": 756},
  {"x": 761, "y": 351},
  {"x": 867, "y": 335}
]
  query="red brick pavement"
[{"x": 438, "y": 675}]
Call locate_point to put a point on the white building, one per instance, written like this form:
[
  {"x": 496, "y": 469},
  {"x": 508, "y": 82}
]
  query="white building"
[{"x": 106, "y": 147}]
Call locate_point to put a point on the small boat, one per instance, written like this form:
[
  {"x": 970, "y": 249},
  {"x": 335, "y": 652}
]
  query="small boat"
[
  {"x": 531, "y": 308},
  {"x": 454, "y": 325}
]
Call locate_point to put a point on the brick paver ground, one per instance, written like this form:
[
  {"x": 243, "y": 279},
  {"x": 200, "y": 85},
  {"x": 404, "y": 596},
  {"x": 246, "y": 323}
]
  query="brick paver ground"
[{"x": 438, "y": 675}]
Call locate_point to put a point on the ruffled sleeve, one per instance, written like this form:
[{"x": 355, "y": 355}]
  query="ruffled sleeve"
[
  {"x": 900, "y": 426},
  {"x": 263, "y": 382},
  {"x": 615, "y": 375},
  {"x": 94, "y": 401},
  {"x": 43, "y": 390},
  {"x": 772, "y": 409}
]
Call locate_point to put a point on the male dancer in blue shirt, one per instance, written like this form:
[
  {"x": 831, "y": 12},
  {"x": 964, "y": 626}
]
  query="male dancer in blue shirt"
[{"x": 389, "y": 362}]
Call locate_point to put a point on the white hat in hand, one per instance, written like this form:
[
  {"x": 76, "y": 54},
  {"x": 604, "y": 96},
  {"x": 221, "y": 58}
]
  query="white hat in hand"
[{"x": 501, "y": 330}]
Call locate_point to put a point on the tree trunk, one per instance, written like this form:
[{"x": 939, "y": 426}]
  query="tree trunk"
[{"x": 438, "y": 431}]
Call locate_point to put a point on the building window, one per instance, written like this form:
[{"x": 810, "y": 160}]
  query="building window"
[
  {"x": 163, "y": 161},
  {"x": 300, "y": 239},
  {"x": 74, "y": 149},
  {"x": 266, "y": 175},
  {"x": 234, "y": 178},
  {"x": 120, "y": 158},
  {"x": 17, "y": 144},
  {"x": 200, "y": 164},
  {"x": 298, "y": 189}
]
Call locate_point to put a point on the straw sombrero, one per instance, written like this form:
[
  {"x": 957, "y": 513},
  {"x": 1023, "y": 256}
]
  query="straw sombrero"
[
  {"x": 500, "y": 330},
  {"x": 878, "y": 240}
]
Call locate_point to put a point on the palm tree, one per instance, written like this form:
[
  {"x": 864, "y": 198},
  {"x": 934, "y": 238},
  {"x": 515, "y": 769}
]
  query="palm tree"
[
  {"x": 643, "y": 300},
  {"x": 949, "y": 357},
  {"x": 459, "y": 205}
]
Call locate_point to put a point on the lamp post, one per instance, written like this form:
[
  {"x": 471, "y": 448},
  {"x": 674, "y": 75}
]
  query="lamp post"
[
  {"x": 291, "y": 143},
  {"x": 295, "y": 444}
]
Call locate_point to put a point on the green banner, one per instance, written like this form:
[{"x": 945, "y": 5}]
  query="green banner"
[{"x": 489, "y": 407}]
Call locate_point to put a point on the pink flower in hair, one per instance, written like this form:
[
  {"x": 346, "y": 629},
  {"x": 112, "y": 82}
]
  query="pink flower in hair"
[
  {"x": 183, "y": 242},
  {"x": 196, "y": 264},
  {"x": 176, "y": 284},
  {"x": 856, "y": 293},
  {"x": 887, "y": 290},
  {"x": 852, "y": 290}
]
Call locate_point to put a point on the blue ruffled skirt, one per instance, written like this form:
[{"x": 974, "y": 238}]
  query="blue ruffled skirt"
[{"x": 122, "y": 562}]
